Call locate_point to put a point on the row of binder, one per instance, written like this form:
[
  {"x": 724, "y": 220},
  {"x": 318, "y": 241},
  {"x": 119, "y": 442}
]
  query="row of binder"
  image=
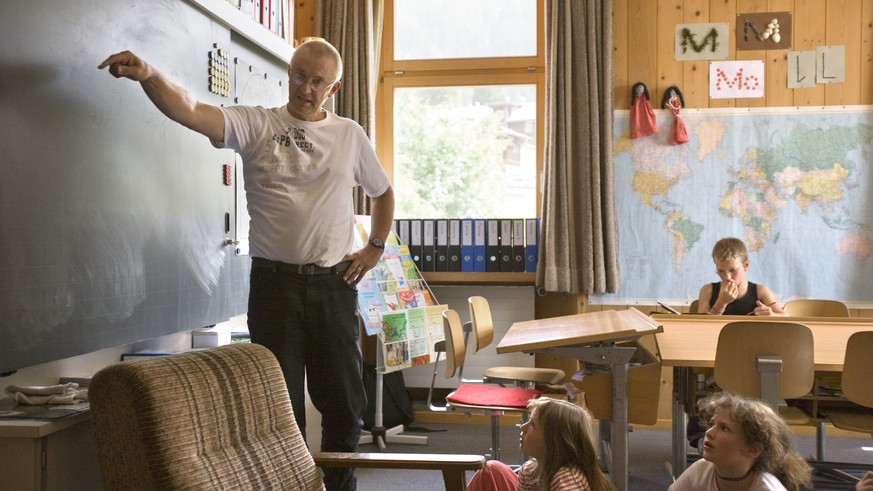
[
  {"x": 471, "y": 245},
  {"x": 275, "y": 15}
]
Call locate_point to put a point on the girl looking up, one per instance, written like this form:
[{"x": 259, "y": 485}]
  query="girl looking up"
[
  {"x": 560, "y": 440},
  {"x": 747, "y": 447}
]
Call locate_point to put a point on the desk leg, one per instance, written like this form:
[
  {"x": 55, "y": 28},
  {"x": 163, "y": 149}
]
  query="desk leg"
[
  {"x": 618, "y": 358},
  {"x": 680, "y": 420},
  {"x": 619, "y": 430}
]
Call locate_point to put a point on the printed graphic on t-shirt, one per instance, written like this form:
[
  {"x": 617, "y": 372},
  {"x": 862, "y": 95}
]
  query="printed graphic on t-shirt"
[
  {"x": 287, "y": 170},
  {"x": 296, "y": 135}
]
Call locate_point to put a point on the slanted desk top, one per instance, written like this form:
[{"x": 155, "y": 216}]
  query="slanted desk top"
[
  {"x": 578, "y": 329},
  {"x": 578, "y": 336},
  {"x": 691, "y": 340}
]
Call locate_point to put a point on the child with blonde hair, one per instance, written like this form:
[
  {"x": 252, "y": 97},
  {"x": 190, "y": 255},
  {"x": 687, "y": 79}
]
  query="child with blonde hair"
[
  {"x": 734, "y": 294},
  {"x": 559, "y": 438},
  {"x": 747, "y": 447}
]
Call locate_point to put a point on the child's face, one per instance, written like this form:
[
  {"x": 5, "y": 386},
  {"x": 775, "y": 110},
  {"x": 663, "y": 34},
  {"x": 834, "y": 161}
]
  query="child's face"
[
  {"x": 533, "y": 440},
  {"x": 732, "y": 269},
  {"x": 725, "y": 445}
]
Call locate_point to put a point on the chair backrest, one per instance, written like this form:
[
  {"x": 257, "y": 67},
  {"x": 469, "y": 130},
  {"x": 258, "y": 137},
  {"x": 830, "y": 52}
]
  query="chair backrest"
[
  {"x": 858, "y": 367},
  {"x": 816, "y": 308},
  {"x": 739, "y": 345},
  {"x": 218, "y": 418},
  {"x": 455, "y": 349},
  {"x": 483, "y": 325},
  {"x": 692, "y": 309}
]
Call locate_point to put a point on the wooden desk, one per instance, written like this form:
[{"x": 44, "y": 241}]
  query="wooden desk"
[
  {"x": 690, "y": 341},
  {"x": 591, "y": 337}
]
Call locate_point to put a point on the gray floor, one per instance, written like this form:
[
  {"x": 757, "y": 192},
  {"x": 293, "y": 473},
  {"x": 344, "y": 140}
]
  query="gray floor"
[{"x": 649, "y": 454}]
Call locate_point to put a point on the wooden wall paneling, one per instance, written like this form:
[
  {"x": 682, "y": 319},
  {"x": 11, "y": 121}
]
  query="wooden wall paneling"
[
  {"x": 723, "y": 11},
  {"x": 743, "y": 7},
  {"x": 778, "y": 93},
  {"x": 842, "y": 29},
  {"x": 776, "y": 88},
  {"x": 866, "y": 69},
  {"x": 695, "y": 73},
  {"x": 670, "y": 13},
  {"x": 304, "y": 18},
  {"x": 642, "y": 46},
  {"x": 854, "y": 20},
  {"x": 621, "y": 86},
  {"x": 809, "y": 32}
]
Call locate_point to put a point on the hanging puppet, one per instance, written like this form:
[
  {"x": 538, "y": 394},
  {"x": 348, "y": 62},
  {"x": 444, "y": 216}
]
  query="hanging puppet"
[
  {"x": 642, "y": 117},
  {"x": 674, "y": 101}
]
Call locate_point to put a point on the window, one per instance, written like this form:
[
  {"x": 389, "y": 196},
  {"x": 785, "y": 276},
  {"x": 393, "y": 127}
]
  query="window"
[{"x": 460, "y": 115}]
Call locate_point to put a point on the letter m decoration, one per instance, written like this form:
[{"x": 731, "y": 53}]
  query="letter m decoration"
[
  {"x": 707, "y": 41},
  {"x": 688, "y": 41}
]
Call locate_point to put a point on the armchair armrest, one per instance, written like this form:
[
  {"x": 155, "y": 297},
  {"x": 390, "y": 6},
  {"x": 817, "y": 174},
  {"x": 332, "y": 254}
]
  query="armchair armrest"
[{"x": 453, "y": 466}]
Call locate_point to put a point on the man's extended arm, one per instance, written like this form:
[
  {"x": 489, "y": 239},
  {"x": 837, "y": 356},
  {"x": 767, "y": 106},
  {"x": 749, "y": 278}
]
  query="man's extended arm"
[{"x": 171, "y": 99}]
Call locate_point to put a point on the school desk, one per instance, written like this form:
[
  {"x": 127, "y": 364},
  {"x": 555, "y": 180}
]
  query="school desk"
[
  {"x": 689, "y": 341},
  {"x": 591, "y": 337}
]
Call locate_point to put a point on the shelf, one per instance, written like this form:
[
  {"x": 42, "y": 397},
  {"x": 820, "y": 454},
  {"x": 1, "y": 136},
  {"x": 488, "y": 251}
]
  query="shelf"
[
  {"x": 498, "y": 279},
  {"x": 231, "y": 17}
]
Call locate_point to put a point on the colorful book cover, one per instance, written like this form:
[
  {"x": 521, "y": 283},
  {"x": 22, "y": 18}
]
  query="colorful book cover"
[{"x": 396, "y": 304}]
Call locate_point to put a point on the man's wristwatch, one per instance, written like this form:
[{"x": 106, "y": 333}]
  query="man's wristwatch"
[{"x": 377, "y": 242}]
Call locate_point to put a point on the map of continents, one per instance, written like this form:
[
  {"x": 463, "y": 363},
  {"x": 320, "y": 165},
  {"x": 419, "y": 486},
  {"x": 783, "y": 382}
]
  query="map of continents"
[{"x": 762, "y": 176}]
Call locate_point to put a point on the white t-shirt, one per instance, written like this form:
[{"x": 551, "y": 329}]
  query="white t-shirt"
[
  {"x": 299, "y": 176},
  {"x": 701, "y": 477}
]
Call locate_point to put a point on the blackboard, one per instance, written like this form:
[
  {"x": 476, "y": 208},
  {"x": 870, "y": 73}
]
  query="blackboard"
[{"x": 113, "y": 219}]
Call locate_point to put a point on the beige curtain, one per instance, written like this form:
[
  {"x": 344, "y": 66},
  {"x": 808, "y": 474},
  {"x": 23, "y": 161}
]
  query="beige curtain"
[
  {"x": 354, "y": 27},
  {"x": 579, "y": 240}
]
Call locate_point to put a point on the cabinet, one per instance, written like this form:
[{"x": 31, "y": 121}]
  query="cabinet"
[{"x": 48, "y": 455}]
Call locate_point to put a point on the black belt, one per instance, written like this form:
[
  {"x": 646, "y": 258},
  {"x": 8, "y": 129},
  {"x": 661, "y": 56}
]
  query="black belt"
[{"x": 301, "y": 269}]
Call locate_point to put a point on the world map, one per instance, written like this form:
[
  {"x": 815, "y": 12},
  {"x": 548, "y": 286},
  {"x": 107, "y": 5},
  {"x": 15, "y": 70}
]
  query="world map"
[{"x": 794, "y": 183}]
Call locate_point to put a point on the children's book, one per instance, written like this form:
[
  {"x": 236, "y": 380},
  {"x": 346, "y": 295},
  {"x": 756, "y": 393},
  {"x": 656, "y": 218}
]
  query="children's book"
[{"x": 396, "y": 304}]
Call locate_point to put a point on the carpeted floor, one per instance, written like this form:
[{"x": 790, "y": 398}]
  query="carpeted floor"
[{"x": 649, "y": 453}]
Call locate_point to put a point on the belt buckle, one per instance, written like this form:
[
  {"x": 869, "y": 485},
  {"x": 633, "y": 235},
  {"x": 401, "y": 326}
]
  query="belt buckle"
[{"x": 306, "y": 269}]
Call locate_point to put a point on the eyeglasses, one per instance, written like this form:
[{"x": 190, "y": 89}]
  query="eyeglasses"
[{"x": 316, "y": 84}]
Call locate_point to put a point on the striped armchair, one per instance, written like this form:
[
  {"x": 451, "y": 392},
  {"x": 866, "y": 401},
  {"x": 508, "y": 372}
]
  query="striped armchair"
[{"x": 214, "y": 419}]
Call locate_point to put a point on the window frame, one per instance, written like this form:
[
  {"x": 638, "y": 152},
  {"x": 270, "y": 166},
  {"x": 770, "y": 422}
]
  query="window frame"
[{"x": 395, "y": 74}]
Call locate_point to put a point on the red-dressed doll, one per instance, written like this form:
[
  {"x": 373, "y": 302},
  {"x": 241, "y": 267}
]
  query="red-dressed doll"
[
  {"x": 642, "y": 117},
  {"x": 674, "y": 101}
]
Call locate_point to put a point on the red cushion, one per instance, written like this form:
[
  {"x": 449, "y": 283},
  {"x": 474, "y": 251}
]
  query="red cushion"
[{"x": 492, "y": 395}]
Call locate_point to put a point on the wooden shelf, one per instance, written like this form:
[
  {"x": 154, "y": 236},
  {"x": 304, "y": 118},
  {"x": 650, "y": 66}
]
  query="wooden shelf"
[
  {"x": 231, "y": 17},
  {"x": 497, "y": 279}
]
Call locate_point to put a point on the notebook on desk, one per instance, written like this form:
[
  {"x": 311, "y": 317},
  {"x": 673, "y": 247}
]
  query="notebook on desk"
[{"x": 669, "y": 309}]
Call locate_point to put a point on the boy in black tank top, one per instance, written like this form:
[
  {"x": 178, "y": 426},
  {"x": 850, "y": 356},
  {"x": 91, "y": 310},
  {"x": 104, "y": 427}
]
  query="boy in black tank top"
[{"x": 735, "y": 295}]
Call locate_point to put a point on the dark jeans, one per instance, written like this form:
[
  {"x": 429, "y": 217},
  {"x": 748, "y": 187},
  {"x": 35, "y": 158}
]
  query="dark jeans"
[{"x": 309, "y": 322}]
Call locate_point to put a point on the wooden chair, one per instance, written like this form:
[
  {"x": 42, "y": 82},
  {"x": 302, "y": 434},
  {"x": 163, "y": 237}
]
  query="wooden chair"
[
  {"x": 768, "y": 360},
  {"x": 482, "y": 327},
  {"x": 219, "y": 418},
  {"x": 857, "y": 368},
  {"x": 492, "y": 400},
  {"x": 816, "y": 308},
  {"x": 692, "y": 308}
]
